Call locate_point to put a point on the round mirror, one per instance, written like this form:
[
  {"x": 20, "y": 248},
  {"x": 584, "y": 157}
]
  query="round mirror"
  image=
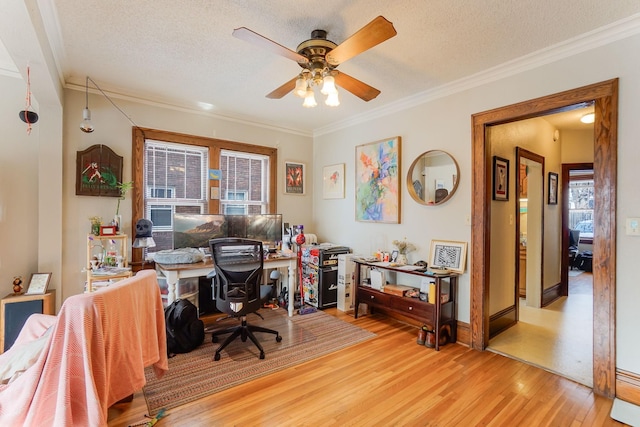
[{"x": 433, "y": 177}]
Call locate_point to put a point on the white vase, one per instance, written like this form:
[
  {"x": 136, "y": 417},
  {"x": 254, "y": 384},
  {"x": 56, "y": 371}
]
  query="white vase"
[{"x": 402, "y": 259}]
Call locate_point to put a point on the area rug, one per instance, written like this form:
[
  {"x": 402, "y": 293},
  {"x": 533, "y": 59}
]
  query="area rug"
[{"x": 195, "y": 375}]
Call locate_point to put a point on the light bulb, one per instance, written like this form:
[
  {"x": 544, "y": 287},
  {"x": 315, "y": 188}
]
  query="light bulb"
[
  {"x": 86, "y": 125},
  {"x": 301, "y": 87},
  {"x": 329, "y": 86},
  {"x": 588, "y": 118},
  {"x": 309, "y": 99},
  {"x": 332, "y": 100}
]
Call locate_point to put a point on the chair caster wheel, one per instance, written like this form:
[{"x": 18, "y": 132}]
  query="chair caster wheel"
[
  {"x": 214, "y": 338},
  {"x": 278, "y": 338},
  {"x": 262, "y": 355},
  {"x": 216, "y": 357}
]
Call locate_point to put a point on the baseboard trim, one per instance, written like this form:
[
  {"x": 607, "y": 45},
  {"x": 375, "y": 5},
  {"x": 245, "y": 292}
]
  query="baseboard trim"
[
  {"x": 463, "y": 334},
  {"x": 628, "y": 386},
  {"x": 551, "y": 294}
]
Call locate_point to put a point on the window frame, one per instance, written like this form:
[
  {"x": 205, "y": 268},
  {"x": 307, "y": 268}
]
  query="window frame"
[{"x": 215, "y": 146}]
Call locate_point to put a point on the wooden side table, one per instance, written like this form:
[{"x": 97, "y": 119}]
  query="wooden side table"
[{"x": 14, "y": 311}]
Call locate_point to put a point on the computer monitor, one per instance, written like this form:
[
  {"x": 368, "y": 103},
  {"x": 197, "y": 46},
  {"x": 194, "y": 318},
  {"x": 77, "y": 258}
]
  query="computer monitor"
[
  {"x": 264, "y": 227},
  {"x": 195, "y": 230}
]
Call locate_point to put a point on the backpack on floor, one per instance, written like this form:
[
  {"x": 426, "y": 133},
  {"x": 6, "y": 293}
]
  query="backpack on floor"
[{"x": 185, "y": 331}]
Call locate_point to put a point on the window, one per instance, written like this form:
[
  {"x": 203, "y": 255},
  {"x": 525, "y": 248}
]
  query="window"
[
  {"x": 175, "y": 181},
  {"x": 244, "y": 183},
  {"x": 581, "y": 199},
  {"x": 171, "y": 175}
]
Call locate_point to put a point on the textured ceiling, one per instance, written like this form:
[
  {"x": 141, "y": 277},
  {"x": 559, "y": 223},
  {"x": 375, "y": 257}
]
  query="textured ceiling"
[{"x": 181, "y": 52}]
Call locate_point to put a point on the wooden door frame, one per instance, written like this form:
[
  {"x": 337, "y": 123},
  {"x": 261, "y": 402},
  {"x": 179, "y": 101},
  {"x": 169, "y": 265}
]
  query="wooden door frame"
[{"x": 604, "y": 96}]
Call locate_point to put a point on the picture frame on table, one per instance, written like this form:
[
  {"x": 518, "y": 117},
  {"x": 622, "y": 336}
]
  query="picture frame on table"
[
  {"x": 500, "y": 179},
  {"x": 38, "y": 284},
  {"x": 553, "y": 189},
  {"x": 294, "y": 173},
  {"x": 108, "y": 230},
  {"x": 448, "y": 255},
  {"x": 333, "y": 181}
]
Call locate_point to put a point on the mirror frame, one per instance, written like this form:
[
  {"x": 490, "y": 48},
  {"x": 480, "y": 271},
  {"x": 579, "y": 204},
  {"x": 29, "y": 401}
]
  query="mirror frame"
[{"x": 412, "y": 191}]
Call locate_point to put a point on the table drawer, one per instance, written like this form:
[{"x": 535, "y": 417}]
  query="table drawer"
[
  {"x": 370, "y": 296},
  {"x": 413, "y": 307}
]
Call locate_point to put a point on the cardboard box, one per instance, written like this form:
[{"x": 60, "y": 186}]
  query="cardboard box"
[{"x": 397, "y": 290}]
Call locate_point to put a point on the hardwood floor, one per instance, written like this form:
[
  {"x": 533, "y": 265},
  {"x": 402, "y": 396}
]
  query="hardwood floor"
[{"x": 391, "y": 380}]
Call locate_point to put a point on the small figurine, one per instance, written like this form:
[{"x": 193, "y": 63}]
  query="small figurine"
[{"x": 17, "y": 285}]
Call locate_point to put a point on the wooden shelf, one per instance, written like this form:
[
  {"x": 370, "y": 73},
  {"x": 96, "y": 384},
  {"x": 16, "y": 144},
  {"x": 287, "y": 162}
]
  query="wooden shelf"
[
  {"x": 101, "y": 246},
  {"x": 439, "y": 315}
]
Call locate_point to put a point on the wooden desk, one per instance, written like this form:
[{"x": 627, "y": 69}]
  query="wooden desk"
[{"x": 175, "y": 272}]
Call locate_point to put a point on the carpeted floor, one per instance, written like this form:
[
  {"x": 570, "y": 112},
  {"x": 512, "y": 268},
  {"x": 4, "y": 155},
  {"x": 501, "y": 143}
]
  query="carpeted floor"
[{"x": 195, "y": 374}]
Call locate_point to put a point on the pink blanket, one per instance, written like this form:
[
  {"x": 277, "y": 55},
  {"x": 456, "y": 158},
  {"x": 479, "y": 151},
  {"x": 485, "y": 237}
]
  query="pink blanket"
[{"x": 95, "y": 356}]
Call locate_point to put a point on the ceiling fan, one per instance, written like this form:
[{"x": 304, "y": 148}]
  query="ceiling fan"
[{"x": 319, "y": 59}]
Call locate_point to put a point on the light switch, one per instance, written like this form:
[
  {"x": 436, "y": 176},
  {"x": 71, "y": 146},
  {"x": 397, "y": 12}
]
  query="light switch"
[{"x": 633, "y": 226}]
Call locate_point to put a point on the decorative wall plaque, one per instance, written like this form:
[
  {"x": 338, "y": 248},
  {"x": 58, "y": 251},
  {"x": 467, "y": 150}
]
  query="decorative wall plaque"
[{"x": 98, "y": 172}]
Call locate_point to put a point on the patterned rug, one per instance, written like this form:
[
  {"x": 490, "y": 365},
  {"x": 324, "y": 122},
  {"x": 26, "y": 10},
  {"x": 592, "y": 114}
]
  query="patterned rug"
[{"x": 194, "y": 375}]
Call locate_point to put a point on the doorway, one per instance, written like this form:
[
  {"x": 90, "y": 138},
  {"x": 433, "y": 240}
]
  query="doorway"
[{"x": 604, "y": 97}]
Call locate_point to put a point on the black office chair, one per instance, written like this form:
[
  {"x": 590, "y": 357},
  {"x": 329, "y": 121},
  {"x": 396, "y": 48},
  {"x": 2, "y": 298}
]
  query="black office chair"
[
  {"x": 238, "y": 265},
  {"x": 574, "y": 240}
]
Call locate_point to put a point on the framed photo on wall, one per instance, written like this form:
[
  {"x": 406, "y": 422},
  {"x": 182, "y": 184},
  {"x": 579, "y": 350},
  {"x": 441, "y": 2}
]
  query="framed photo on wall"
[
  {"x": 500, "y": 179},
  {"x": 553, "y": 188},
  {"x": 38, "y": 284},
  {"x": 294, "y": 177},
  {"x": 333, "y": 181},
  {"x": 378, "y": 181}
]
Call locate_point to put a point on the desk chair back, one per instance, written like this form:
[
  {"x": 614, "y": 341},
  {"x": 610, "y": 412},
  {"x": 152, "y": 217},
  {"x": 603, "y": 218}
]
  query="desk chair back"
[{"x": 238, "y": 263}]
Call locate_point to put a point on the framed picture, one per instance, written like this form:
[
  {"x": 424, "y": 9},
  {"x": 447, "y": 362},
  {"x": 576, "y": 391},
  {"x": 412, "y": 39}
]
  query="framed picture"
[
  {"x": 294, "y": 177},
  {"x": 448, "y": 255},
  {"x": 333, "y": 181},
  {"x": 378, "y": 181},
  {"x": 38, "y": 283},
  {"x": 553, "y": 188},
  {"x": 500, "y": 179},
  {"x": 108, "y": 230}
]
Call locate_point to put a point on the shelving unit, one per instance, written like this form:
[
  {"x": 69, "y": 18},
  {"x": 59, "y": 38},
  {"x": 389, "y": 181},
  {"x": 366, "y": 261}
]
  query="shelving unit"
[
  {"x": 108, "y": 250},
  {"x": 439, "y": 315}
]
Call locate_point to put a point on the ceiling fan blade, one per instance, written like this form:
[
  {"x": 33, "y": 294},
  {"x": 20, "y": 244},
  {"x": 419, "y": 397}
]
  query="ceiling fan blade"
[
  {"x": 372, "y": 34},
  {"x": 355, "y": 86},
  {"x": 284, "y": 89},
  {"x": 247, "y": 35}
]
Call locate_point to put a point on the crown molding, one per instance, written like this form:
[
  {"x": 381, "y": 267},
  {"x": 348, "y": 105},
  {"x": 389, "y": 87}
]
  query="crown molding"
[{"x": 608, "y": 34}]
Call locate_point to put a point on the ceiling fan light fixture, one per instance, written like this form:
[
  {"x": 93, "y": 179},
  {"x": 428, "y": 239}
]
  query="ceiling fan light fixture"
[
  {"x": 309, "y": 99},
  {"x": 301, "y": 87},
  {"x": 588, "y": 118},
  {"x": 332, "y": 99},
  {"x": 329, "y": 86}
]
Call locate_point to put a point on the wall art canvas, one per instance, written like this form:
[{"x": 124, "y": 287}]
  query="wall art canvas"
[
  {"x": 294, "y": 177},
  {"x": 333, "y": 181},
  {"x": 378, "y": 181}
]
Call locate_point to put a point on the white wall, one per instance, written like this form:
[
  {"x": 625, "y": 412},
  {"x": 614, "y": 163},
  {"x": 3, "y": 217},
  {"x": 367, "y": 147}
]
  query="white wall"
[
  {"x": 18, "y": 188},
  {"x": 114, "y": 130},
  {"x": 444, "y": 123}
]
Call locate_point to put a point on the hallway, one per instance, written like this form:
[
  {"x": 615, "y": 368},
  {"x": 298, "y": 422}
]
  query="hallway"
[{"x": 559, "y": 337}]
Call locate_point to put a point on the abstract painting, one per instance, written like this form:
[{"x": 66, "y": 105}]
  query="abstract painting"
[{"x": 378, "y": 181}]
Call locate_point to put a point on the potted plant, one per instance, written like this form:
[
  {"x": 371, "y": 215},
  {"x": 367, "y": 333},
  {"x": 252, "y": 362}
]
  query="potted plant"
[
  {"x": 123, "y": 187},
  {"x": 404, "y": 248}
]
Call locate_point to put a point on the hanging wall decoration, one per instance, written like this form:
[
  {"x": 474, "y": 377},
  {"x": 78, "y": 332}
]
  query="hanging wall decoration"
[
  {"x": 27, "y": 116},
  {"x": 378, "y": 181},
  {"x": 98, "y": 172}
]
